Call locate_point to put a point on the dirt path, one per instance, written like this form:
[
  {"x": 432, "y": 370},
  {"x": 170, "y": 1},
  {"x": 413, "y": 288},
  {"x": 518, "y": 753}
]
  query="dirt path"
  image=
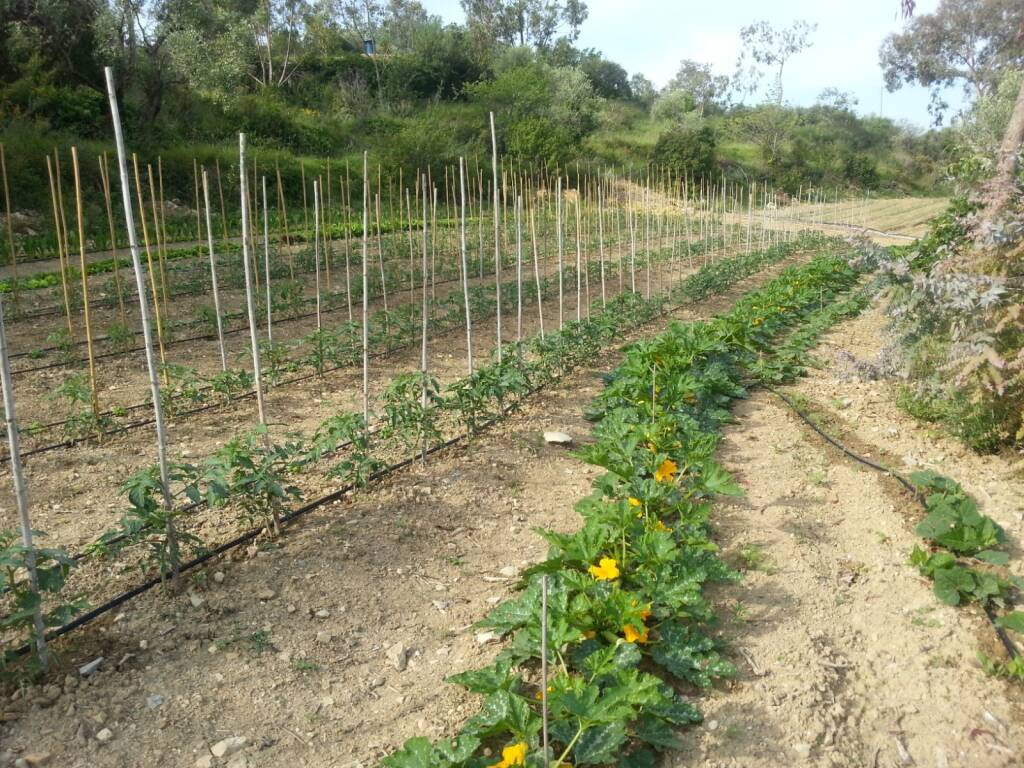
[{"x": 846, "y": 657}]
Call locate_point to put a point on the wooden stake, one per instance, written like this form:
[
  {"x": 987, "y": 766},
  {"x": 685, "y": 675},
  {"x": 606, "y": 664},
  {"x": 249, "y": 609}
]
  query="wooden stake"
[
  {"x": 21, "y": 495},
  {"x": 243, "y": 177},
  {"x": 149, "y": 261},
  {"x": 10, "y": 228},
  {"x": 60, "y": 248},
  {"x": 105, "y": 180},
  {"x": 147, "y": 333},
  {"x": 497, "y": 232},
  {"x": 266, "y": 262},
  {"x": 536, "y": 273},
  {"x": 316, "y": 248},
  {"x": 366, "y": 325},
  {"x": 213, "y": 275},
  {"x": 465, "y": 266},
  {"x": 85, "y": 289}
]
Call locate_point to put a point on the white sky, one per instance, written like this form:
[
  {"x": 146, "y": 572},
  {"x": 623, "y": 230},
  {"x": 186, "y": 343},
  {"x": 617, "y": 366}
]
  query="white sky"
[{"x": 652, "y": 36}]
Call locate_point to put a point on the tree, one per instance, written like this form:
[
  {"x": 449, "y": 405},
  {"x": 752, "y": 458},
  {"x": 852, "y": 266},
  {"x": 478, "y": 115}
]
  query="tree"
[
  {"x": 833, "y": 98},
  {"x": 642, "y": 89},
  {"x": 964, "y": 41},
  {"x": 772, "y": 47},
  {"x": 698, "y": 81},
  {"x": 525, "y": 22}
]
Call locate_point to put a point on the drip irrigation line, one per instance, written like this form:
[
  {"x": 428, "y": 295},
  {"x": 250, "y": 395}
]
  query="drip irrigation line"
[
  {"x": 1007, "y": 643},
  {"x": 252, "y": 533}
]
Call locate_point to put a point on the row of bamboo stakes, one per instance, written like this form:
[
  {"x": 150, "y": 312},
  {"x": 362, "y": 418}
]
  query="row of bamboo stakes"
[{"x": 507, "y": 195}]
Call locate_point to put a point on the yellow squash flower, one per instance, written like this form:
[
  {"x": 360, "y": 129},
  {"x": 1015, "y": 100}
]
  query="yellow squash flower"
[
  {"x": 635, "y": 502},
  {"x": 606, "y": 570},
  {"x": 512, "y": 755},
  {"x": 632, "y": 636},
  {"x": 666, "y": 472}
]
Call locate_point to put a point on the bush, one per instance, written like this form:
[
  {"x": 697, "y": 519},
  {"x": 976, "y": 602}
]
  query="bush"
[
  {"x": 541, "y": 142},
  {"x": 674, "y": 106},
  {"x": 687, "y": 151}
]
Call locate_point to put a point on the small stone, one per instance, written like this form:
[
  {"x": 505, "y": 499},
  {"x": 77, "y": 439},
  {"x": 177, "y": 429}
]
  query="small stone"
[
  {"x": 486, "y": 637},
  {"x": 441, "y": 605},
  {"x": 195, "y": 599},
  {"x": 398, "y": 656},
  {"x": 230, "y": 745},
  {"x": 206, "y": 761},
  {"x": 509, "y": 571},
  {"x": 238, "y": 761},
  {"x": 323, "y": 613},
  {"x": 377, "y": 682},
  {"x": 802, "y": 750},
  {"x": 291, "y": 608},
  {"x": 218, "y": 577},
  {"x": 52, "y": 692},
  {"x": 712, "y": 725},
  {"x": 36, "y": 758},
  {"x": 557, "y": 438},
  {"x": 104, "y": 736},
  {"x": 323, "y": 637},
  {"x": 143, "y": 644},
  {"x": 70, "y": 683},
  {"x": 266, "y": 594},
  {"x": 87, "y": 669},
  {"x": 154, "y": 701}
]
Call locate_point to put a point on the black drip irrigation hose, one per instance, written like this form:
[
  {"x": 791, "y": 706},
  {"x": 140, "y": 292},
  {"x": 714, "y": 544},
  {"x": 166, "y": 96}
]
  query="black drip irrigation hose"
[
  {"x": 1007, "y": 643},
  {"x": 251, "y": 534}
]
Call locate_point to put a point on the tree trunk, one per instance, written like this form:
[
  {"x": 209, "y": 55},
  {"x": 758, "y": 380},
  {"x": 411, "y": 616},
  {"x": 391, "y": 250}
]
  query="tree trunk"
[{"x": 1003, "y": 185}]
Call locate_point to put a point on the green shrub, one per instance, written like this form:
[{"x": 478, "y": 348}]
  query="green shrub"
[{"x": 687, "y": 151}]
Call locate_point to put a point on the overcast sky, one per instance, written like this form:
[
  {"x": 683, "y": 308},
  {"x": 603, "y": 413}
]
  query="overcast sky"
[{"x": 652, "y": 36}]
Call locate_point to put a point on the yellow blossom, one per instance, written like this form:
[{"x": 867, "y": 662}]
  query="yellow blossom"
[
  {"x": 606, "y": 570},
  {"x": 660, "y": 526},
  {"x": 635, "y": 502},
  {"x": 512, "y": 755},
  {"x": 632, "y": 636},
  {"x": 538, "y": 695},
  {"x": 666, "y": 472}
]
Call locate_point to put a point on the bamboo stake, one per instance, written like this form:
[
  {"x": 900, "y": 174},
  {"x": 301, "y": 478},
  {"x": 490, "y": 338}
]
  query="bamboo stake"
[
  {"x": 21, "y": 495},
  {"x": 159, "y": 249},
  {"x": 147, "y": 332},
  {"x": 579, "y": 262},
  {"x": 220, "y": 191},
  {"x": 424, "y": 315},
  {"x": 149, "y": 262},
  {"x": 243, "y": 178},
  {"x": 519, "y": 274},
  {"x": 266, "y": 262},
  {"x": 85, "y": 290},
  {"x": 161, "y": 240},
  {"x": 195, "y": 179},
  {"x": 60, "y": 248},
  {"x": 347, "y": 191},
  {"x": 536, "y": 273},
  {"x": 497, "y": 232},
  {"x": 600, "y": 239},
  {"x": 561, "y": 245},
  {"x": 465, "y": 266},
  {"x": 383, "y": 278},
  {"x": 283, "y": 205},
  {"x": 213, "y": 275},
  {"x": 316, "y": 248},
  {"x": 105, "y": 180},
  {"x": 10, "y": 227},
  {"x": 366, "y": 329}
]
